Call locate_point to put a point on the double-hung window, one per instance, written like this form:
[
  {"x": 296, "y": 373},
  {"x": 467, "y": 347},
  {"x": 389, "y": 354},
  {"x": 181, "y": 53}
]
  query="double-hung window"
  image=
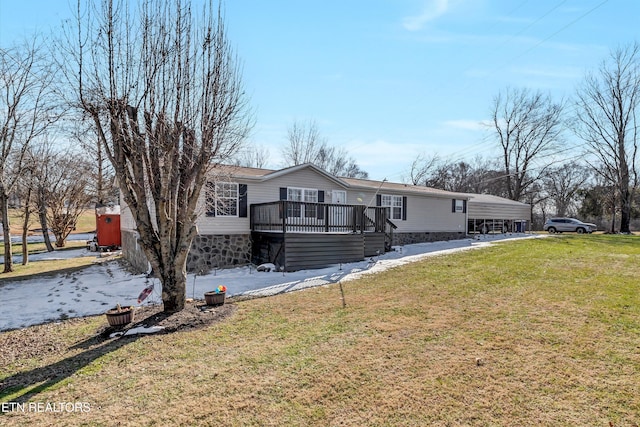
[
  {"x": 303, "y": 195},
  {"x": 394, "y": 204},
  {"x": 222, "y": 199}
]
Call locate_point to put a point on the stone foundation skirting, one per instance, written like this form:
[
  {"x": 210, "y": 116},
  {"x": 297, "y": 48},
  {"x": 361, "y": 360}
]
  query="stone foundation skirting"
[
  {"x": 209, "y": 252},
  {"x": 401, "y": 239},
  {"x": 132, "y": 252}
]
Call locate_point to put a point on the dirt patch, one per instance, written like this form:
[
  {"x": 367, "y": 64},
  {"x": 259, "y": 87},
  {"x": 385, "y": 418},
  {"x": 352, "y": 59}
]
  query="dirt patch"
[
  {"x": 42, "y": 340},
  {"x": 196, "y": 315}
]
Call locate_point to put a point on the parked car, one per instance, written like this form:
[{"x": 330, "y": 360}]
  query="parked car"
[{"x": 558, "y": 225}]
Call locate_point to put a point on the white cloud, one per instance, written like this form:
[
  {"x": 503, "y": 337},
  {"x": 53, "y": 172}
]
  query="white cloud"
[
  {"x": 433, "y": 9},
  {"x": 474, "y": 125}
]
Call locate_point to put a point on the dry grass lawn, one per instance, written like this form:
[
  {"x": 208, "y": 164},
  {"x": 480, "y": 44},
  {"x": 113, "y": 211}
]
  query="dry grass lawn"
[
  {"x": 49, "y": 267},
  {"x": 525, "y": 333},
  {"x": 86, "y": 222}
]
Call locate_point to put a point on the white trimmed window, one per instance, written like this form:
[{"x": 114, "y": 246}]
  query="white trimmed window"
[
  {"x": 394, "y": 203},
  {"x": 222, "y": 199},
  {"x": 308, "y": 195}
]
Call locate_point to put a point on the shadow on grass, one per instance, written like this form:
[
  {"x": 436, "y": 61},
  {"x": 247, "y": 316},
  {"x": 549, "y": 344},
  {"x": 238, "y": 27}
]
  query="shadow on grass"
[{"x": 21, "y": 387}]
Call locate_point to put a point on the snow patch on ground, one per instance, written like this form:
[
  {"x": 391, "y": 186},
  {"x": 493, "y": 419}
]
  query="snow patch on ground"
[
  {"x": 97, "y": 288},
  {"x": 137, "y": 331}
]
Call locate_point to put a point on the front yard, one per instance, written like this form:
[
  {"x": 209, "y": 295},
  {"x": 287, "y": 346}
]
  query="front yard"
[{"x": 532, "y": 332}]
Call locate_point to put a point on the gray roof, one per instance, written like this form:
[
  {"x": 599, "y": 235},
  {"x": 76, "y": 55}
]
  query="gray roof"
[
  {"x": 488, "y": 198},
  {"x": 486, "y": 206},
  {"x": 355, "y": 183}
]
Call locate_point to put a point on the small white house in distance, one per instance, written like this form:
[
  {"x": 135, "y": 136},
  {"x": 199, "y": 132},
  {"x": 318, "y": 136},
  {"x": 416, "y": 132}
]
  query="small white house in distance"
[{"x": 303, "y": 217}]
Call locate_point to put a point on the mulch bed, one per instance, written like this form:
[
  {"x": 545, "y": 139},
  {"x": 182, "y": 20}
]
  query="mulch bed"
[
  {"x": 41, "y": 340},
  {"x": 196, "y": 315}
]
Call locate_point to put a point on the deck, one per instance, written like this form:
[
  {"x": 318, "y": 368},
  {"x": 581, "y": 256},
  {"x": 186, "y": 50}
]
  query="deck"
[{"x": 299, "y": 235}]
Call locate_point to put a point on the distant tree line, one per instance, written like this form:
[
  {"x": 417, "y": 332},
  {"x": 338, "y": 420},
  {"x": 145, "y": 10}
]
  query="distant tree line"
[{"x": 572, "y": 157}]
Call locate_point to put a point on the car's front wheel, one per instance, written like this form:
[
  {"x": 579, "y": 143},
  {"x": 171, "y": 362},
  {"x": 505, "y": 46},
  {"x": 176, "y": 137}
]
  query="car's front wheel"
[
  {"x": 551, "y": 230},
  {"x": 580, "y": 230}
]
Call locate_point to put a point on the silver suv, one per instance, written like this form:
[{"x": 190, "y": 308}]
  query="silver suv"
[{"x": 558, "y": 225}]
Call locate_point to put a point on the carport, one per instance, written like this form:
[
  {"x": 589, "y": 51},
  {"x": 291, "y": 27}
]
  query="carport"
[{"x": 492, "y": 214}]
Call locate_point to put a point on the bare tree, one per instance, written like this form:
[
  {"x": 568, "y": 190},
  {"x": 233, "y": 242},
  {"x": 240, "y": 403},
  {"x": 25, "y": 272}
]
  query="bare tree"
[
  {"x": 422, "y": 167},
  {"x": 100, "y": 170},
  {"x": 25, "y": 114},
  {"x": 527, "y": 126},
  {"x": 563, "y": 184},
  {"x": 599, "y": 200},
  {"x": 41, "y": 156},
  {"x": 476, "y": 176},
  {"x": 455, "y": 176},
  {"x": 485, "y": 177},
  {"x": 67, "y": 197},
  {"x": 252, "y": 157},
  {"x": 306, "y": 145},
  {"x": 57, "y": 186},
  {"x": 166, "y": 98},
  {"x": 25, "y": 189},
  {"x": 337, "y": 162},
  {"x": 607, "y": 104},
  {"x": 351, "y": 170}
]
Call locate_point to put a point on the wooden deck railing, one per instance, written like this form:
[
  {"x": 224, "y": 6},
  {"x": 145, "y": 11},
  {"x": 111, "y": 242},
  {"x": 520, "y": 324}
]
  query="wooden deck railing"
[{"x": 289, "y": 216}]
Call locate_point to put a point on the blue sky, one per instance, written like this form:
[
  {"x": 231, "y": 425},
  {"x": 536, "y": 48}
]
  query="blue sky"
[{"x": 392, "y": 79}]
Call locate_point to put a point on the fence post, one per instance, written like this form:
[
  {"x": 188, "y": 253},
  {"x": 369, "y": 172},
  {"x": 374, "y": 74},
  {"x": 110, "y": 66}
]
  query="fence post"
[
  {"x": 326, "y": 218},
  {"x": 283, "y": 205}
]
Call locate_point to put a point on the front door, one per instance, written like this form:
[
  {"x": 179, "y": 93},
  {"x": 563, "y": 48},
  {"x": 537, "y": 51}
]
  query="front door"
[
  {"x": 338, "y": 197},
  {"x": 338, "y": 214}
]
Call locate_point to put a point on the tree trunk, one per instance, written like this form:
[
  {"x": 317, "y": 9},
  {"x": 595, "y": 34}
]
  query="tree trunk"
[
  {"x": 613, "y": 220},
  {"x": 623, "y": 185},
  {"x": 25, "y": 229},
  {"x": 25, "y": 244},
  {"x": 8, "y": 255},
  {"x": 174, "y": 285},
  {"x": 625, "y": 211},
  {"x": 171, "y": 268},
  {"x": 100, "y": 179},
  {"x": 168, "y": 259},
  {"x": 42, "y": 214},
  {"x": 174, "y": 293}
]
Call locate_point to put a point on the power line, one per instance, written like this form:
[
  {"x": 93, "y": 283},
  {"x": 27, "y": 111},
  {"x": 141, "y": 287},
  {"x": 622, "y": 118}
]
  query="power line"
[
  {"x": 557, "y": 32},
  {"x": 484, "y": 144},
  {"x": 521, "y": 31},
  {"x": 463, "y": 152},
  {"x": 573, "y": 22}
]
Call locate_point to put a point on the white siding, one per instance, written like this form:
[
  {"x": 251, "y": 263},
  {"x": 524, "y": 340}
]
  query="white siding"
[
  {"x": 424, "y": 213},
  {"x": 264, "y": 192},
  {"x": 433, "y": 214},
  {"x": 127, "y": 222}
]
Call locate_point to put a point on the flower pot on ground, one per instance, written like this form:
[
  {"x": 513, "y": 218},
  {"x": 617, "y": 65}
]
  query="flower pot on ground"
[
  {"x": 216, "y": 297},
  {"x": 120, "y": 315}
]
